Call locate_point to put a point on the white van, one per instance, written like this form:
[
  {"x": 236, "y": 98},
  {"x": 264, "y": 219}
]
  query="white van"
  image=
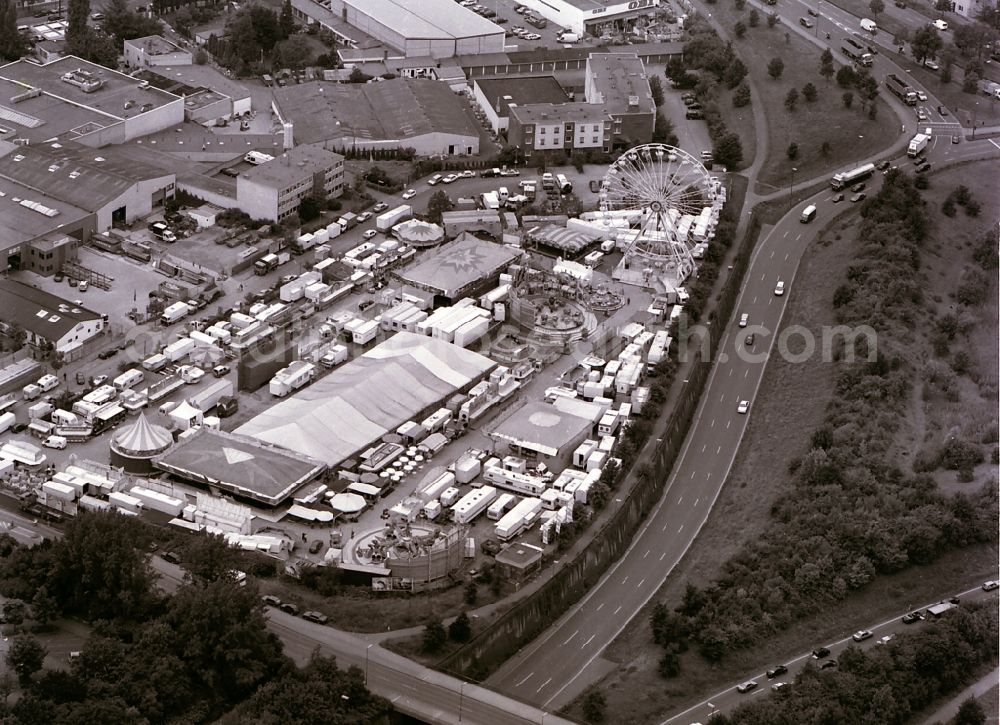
[
  {"x": 940, "y": 25},
  {"x": 808, "y": 214},
  {"x": 47, "y": 383},
  {"x": 58, "y": 442},
  {"x": 608, "y": 245},
  {"x": 6, "y": 421}
]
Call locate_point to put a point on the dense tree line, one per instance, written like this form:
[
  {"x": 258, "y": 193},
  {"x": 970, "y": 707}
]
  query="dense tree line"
[
  {"x": 187, "y": 657},
  {"x": 887, "y": 685},
  {"x": 851, "y": 513}
]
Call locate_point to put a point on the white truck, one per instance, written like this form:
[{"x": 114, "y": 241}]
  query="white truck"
[
  {"x": 179, "y": 350},
  {"x": 6, "y": 421},
  {"x": 205, "y": 400},
  {"x": 298, "y": 374},
  {"x": 869, "y": 26},
  {"x": 918, "y": 143},
  {"x": 501, "y": 506},
  {"x": 567, "y": 37},
  {"x": 518, "y": 519},
  {"x": 175, "y": 313},
  {"x": 387, "y": 220}
]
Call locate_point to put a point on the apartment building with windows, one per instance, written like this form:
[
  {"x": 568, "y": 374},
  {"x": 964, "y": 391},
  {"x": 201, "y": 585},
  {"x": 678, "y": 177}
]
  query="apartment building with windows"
[{"x": 275, "y": 189}]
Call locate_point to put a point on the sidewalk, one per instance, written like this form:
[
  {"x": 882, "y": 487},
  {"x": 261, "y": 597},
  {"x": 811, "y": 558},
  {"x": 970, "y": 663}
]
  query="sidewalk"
[{"x": 946, "y": 712}]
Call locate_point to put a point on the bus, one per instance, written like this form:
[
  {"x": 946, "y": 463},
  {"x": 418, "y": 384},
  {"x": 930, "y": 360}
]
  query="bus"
[{"x": 846, "y": 178}]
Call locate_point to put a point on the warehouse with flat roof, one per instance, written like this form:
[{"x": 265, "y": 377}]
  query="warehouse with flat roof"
[
  {"x": 466, "y": 267},
  {"x": 437, "y": 28}
]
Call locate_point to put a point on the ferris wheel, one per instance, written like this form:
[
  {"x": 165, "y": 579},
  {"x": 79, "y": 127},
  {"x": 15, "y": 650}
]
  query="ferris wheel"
[{"x": 658, "y": 188}]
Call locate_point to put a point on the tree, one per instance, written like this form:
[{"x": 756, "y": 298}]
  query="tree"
[
  {"x": 728, "y": 151},
  {"x": 773, "y": 20},
  {"x": 826, "y": 68},
  {"x": 793, "y": 151},
  {"x": 208, "y": 558},
  {"x": 791, "y": 98},
  {"x": 926, "y": 43},
  {"x": 78, "y": 12},
  {"x": 286, "y": 21},
  {"x": 460, "y": 630},
  {"x": 471, "y": 592},
  {"x": 292, "y": 54},
  {"x": 753, "y": 20},
  {"x": 44, "y": 608},
  {"x": 846, "y": 76},
  {"x": 876, "y": 6},
  {"x": 437, "y": 205},
  {"x": 12, "y": 44},
  {"x": 594, "y": 706},
  {"x": 358, "y": 76},
  {"x": 739, "y": 30},
  {"x": 26, "y": 656},
  {"x": 663, "y": 130},
  {"x": 734, "y": 74},
  {"x": 656, "y": 90},
  {"x": 970, "y": 712},
  {"x": 434, "y": 637},
  {"x": 670, "y": 665},
  {"x": 809, "y": 92},
  {"x": 825, "y": 149},
  {"x": 121, "y": 22},
  {"x": 14, "y": 612},
  {"x": 973, "y": 40},
  {"x": 741, "y": 96},
  {"x": 848, "y": 99},
  {"x": 775, "y": 68},
  {"x": 219, "y": 630}
]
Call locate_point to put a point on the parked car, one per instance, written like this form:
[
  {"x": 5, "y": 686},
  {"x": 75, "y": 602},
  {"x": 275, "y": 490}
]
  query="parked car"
[
  {"x": 828, "y": 665},
  {"x": 912, "y": 617},
  {"x": 990, "y": 586},
  {"x": 930, "y": 64},
  {"x": 747, "y": 687},
  {"x": 220, "y": 371},
  {"x": 776, "y": 671},
  {"x": 779, "y": 686},
  {"x": 369, "y": 234},
  {"x": 862, "y": 635},
  {"x": 288, "y": 607},
  {"x": 270, "y": 600},
  {"x": 381, "y": 206},
  {"x": 409, "y": 193},
  {"x": 317, "y": 617},
  {"x": 468, "y": 174},
  {"x": 435, "y": 179},
  {"x": 820, "y": 653},
  {"x": 885, "y": 640},
  {"x": 450, "y": 179},
  {"x": 285, "y": 279},
  {"x": 98, "y": 380},
  {"x": 364, "y": 216}
]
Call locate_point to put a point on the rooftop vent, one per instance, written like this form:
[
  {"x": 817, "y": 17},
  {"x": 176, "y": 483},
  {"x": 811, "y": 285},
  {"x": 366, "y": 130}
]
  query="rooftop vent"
[{"x": 55, "y": 318}]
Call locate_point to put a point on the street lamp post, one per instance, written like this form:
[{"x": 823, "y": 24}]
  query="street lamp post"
[
  {"x": 791, "y": 187},
  {"x": 367, "y": 651}
]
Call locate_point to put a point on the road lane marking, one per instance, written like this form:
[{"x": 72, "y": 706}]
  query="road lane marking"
[
  {"x": 696, "y": 501},
  {"x": 625, "y": 579},
  {"x": 570, "y": 638},
  {"x": 712, "y": 424},
  {"x": 745, "y": 374},
  {"x": 680, "y": 529},
  {"x": 663, "y": 556},
  {"x": 600, "y": 607},
  {"x": 786, "y": 257},
  {"x": 664, "y": 527},
  {"x": 530, "y": 675},
  {"x": 718, "y": 450},
  {"x": 722, "y": 398},
  {"x": 543, "y": 685},
  {"x": 618, "y": 610},
  {"x": 679, "y": 499},
  {"x": 646, "y": 554},
  {"x": 589, "y": 640},
  {"x": 639, "y": 585},
  {"x": 704, "y": 447},
  {"x": 692, "y": 473}
]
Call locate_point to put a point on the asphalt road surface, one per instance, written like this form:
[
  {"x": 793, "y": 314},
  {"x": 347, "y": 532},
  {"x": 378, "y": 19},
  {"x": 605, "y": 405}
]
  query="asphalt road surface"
[{"x": 730, "y": 698}]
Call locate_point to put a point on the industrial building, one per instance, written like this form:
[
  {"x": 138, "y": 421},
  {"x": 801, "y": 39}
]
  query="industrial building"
[
  {"x": 435, "y": 28},
  {"x": 47, "y": 319},
  {"x": 71, "y": 99},
  {"x": 241, "y": 466},
  {"x": 209, "y": 95},
  {"x": 466, "y": 267},
  {"x": 617, "y": 111},
  {"x": 155, "y": 50},
  {"x": 596, "y": 17},
  {"x": 418, "y": 113},
  {"x": 495, "y": 96},
  {"x": 274, "y": 190},
  {"x": 404, "y": 378},
  {"x": 472, "y": 220}
]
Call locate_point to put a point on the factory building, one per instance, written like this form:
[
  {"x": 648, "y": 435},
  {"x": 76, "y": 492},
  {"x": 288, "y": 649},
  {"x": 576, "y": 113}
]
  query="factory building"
[
  {"x": 47, "y": 319},
  {"x": 274, "y": 190},
  {"x": 155, "y": 50},
  {"x": 596, "y": 17}
]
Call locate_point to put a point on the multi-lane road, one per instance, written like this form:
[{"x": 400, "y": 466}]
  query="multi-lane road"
[{"x": 730, "y": 697}]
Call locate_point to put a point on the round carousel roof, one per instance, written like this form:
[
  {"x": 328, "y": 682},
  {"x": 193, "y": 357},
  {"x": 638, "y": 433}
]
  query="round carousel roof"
[
  {"x": 143, "y": 437},
  {"x": 347, "y": 503},
  {"x": 418, "y": 232}
]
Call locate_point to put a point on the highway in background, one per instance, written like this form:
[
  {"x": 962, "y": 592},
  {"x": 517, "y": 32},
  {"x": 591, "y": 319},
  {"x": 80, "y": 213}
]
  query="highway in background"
[{"x": 729, "y": 698}]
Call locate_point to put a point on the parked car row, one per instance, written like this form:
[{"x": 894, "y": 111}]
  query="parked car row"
[{"x": 289, "y": 608}]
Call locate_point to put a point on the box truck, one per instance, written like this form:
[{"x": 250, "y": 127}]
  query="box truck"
[
  {"x": 175, "y": 313},
  {"x": 206, "y": 399},
  {"x": 179, "y": 350},
  {"x": 917, "y": 144},
  {"x": 7, "y": 420}
]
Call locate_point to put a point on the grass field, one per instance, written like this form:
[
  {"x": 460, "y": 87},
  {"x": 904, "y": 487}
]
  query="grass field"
[
  {"x": 634, "y": 690},
  {"x": 850, "y": 133}
]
